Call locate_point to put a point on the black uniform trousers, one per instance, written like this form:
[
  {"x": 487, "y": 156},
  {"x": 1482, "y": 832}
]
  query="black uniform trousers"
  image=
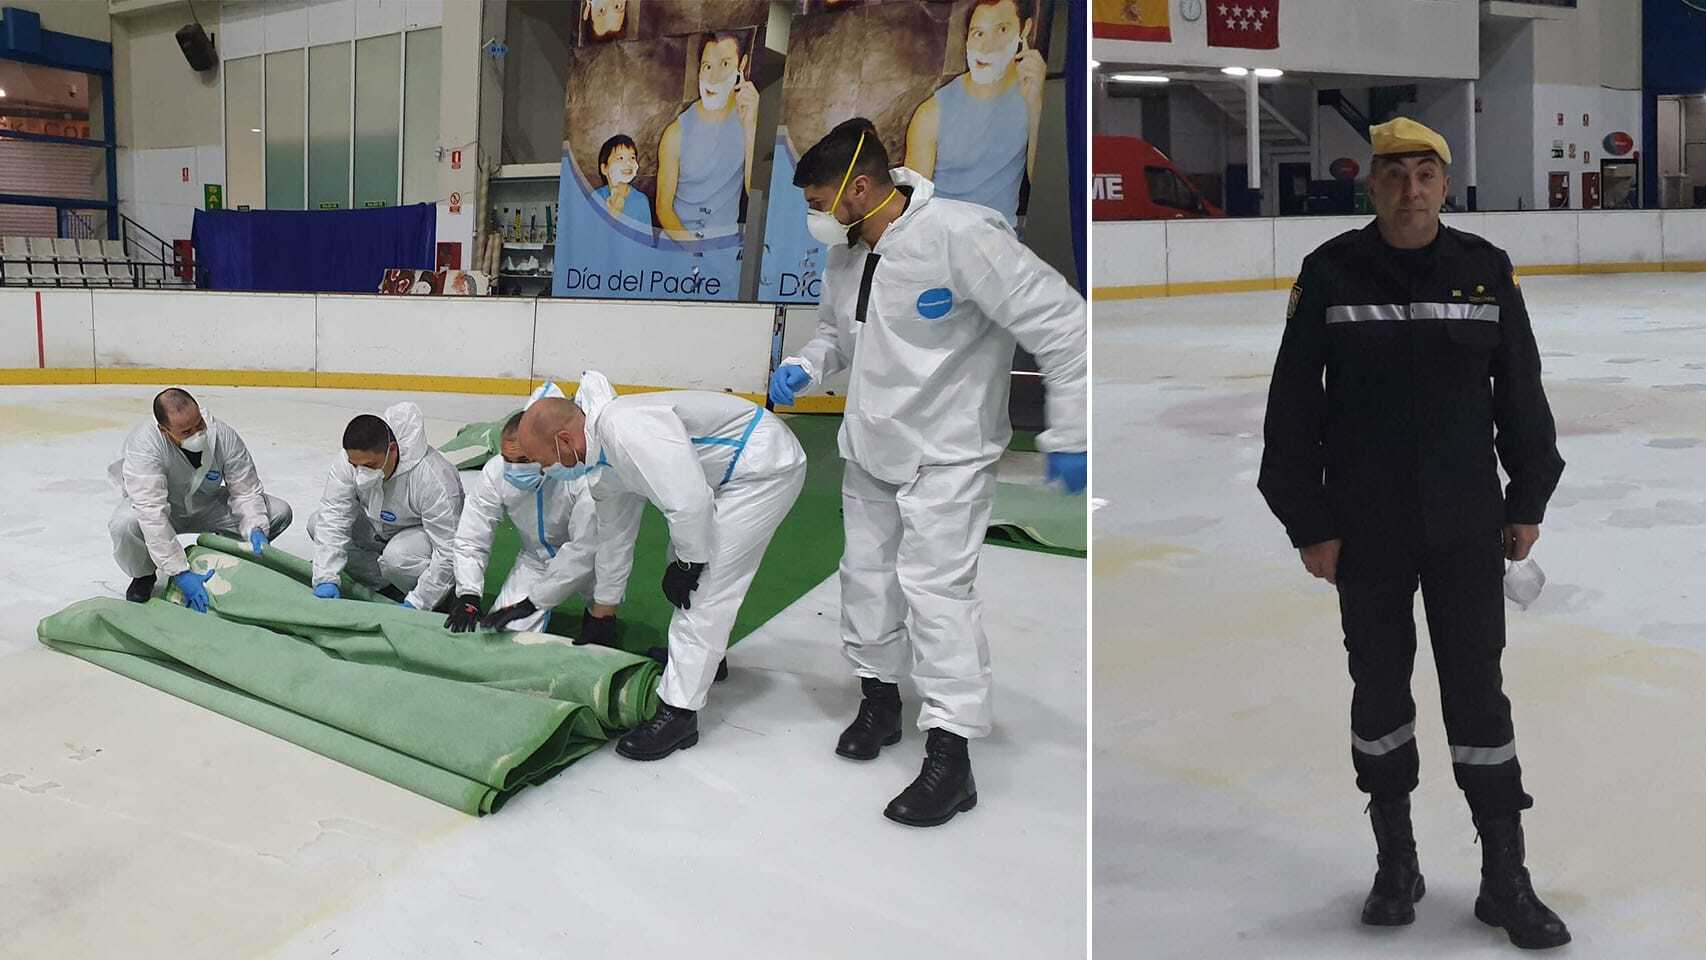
[{"x": 1462, "y": 587}]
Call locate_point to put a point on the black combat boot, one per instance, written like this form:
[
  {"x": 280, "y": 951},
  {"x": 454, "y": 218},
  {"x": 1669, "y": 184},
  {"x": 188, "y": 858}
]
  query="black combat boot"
[
  {"x": 1398, "y": 885},
  {"x": 1507, "y": 895},
  {"x": 669, "y": 729},
  {"x": 944, "y": 786},
  {"x": 140, "y": 589},
  {"x": 877, "y": 725}
]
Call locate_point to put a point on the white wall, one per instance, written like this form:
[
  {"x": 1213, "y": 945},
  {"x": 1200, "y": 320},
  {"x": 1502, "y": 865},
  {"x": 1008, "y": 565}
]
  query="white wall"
[
  {"x": 1144, "y": 258},
  {"x": 1378, "y": 37},
  {"x": 487, "y": 345},
  {"x": 1607, "y": 111}
]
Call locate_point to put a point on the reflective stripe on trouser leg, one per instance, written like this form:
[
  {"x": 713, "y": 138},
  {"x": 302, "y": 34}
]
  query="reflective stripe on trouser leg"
[
  {"x": 873, "y": 608},
  {"x": 1463, "y": 591},
  {"x": 1377, "y": 592},
  {"x": 405, "y": 557},
  {"x": 748, "y": 511},
  {"x": 944, "y": 516},
  {"x": 526, "y": 572}
]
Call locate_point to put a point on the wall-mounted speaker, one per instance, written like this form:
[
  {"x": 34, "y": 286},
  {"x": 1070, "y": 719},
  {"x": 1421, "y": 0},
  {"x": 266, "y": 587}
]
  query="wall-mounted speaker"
[{"x": 198, "y": 49}]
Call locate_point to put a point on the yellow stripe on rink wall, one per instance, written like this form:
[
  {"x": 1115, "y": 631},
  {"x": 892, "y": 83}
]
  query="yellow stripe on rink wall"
[
  {"x": 1148, "y": 290},
  {"x": 405, "y": 383}
]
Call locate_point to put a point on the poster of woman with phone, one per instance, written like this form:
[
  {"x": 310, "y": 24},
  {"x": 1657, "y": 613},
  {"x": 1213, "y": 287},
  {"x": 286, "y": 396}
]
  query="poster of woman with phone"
[{"x": 976, "y": 137}]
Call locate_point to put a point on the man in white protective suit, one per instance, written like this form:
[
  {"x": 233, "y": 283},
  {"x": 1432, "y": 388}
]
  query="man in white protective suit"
[
  {"x": 923, "y": 300},
  {"x": 185, "y": 473},
  {"x": 389, "y": 512},
  {"x": 723, "y": 471},
  {"x": 554, "y": 521}
]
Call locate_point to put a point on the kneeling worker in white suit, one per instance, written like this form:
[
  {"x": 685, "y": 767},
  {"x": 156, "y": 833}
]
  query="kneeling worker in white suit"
[
  {"x": 923, "y": 299},
  {"x": 554, "y": 520},
  {"x": 723, "y": 471},
  {"x": 185, "y": 473},
  {"x": 389, "y": 512}
]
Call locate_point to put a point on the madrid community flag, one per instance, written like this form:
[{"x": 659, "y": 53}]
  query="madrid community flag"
[
  {"x": 1130, "y": 20},
  {"x": 1252, "y": 24}
]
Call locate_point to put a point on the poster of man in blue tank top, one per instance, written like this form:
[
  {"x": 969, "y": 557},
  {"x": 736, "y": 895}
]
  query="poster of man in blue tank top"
[
  {"x": 658, "y": 130},
  {"x": 954, "y": 86}
]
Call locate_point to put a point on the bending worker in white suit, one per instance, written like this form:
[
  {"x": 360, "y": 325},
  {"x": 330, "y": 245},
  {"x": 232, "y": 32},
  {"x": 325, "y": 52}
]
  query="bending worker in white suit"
[
  {"x": 923, "y": 299},
  {"x": 389, "y": 512},
  {"x": 554, "y": 521},
  {"x": 185, "y": 473},
  {"x": 723, "y": 471}
]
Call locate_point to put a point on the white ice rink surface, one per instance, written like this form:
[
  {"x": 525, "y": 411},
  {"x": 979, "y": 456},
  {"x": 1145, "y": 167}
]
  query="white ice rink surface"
[
  {"x": 133, "y": 824},
  {"x": 1227, "y": 822}
]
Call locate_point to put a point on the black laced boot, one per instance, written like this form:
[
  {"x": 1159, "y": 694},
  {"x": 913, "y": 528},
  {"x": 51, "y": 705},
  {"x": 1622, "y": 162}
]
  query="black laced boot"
[
  {"x": 1507, "y": 895},
  {"x": 877, "y": 725},
  {"x": 1398, "y": 885},
  {"x": 944, "y": 786},
  {"x": 668, "y": 730}
]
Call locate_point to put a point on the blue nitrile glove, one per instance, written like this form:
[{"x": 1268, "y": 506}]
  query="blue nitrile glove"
[
  {"x": 1071, "y": 469},
  {"x": 258, "y": 541},
  {"x": 195, "y": 595},
  {"x": 788, "y": 378},
  {"x": 406, "y": 605},
  {"x": 327, "y": 591}
]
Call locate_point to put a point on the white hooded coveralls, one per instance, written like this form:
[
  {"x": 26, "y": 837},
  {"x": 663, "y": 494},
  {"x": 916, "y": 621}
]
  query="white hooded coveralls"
[
  {"x": 555, "y": 523},
  {"x": 164, "y": 495},
  {"x": 723, "y": 471},
  {"x": 400, "y": 531},
  {"x": 926, "y": 422}
]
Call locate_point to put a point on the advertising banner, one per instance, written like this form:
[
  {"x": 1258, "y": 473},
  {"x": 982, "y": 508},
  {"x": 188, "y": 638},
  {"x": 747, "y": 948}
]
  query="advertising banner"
[
  {"x": 659, "y": 124},
  {"x": 954, "y": 88}
]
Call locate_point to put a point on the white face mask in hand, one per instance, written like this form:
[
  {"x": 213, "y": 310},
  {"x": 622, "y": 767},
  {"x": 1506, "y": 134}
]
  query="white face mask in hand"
[{"x": 1523, "y": 582}]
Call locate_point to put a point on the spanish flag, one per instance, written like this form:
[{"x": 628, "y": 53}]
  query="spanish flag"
[{"x": 1130, "y": 20}]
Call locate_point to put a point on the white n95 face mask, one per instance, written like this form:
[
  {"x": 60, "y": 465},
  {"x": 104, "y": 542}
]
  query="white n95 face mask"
[
  {"x": 1523, "y": 582},
  {"x": 367, "y": 478},
  {"x": 825, "y": 229},
  {"x": 195, "y": 442},
  {"x": 716, "y": 94},
  {"x": 995, "y": 63}
]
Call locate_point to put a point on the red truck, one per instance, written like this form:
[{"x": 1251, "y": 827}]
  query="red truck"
[{"x": 1135, "y": 181}]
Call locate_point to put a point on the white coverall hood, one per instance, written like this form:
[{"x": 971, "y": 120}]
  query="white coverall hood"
[{"x": 409, "y": 427}]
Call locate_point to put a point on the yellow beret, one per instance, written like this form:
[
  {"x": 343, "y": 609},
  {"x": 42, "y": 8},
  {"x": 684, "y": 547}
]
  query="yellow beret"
[{"x": 1404, "y": 136}]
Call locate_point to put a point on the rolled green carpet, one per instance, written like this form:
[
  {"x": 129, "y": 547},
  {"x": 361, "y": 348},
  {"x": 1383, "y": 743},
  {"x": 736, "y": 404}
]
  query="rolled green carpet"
[{"x": 464, "y": 719}]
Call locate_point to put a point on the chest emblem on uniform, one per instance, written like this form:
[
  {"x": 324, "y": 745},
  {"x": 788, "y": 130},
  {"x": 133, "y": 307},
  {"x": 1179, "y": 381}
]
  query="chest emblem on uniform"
[
  {"x": 1480, "y": 288},
  {"x": 1457, "y": 293},
  {"x": 934, "y": 304},
  {"x": 213, "y": 476},
  {"x": 387, "y": 516}
]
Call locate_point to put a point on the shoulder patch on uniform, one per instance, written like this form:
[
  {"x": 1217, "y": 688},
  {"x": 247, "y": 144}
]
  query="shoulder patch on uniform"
[
  {"x": 1516, "y": 281},
  {"x": 1291, "y": 305}
]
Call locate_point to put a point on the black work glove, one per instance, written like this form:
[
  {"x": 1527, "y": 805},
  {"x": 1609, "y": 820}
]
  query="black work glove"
[
  {"x": 599, "y": 631},
  {"x": 499, "y": 618},
  {"x": 464, "y": 614},
  {"x": 680, "y": 579}
]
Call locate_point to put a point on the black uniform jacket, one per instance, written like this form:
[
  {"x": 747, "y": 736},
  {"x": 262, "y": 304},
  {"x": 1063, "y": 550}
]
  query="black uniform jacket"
[{"x": 1399, "y": 375}]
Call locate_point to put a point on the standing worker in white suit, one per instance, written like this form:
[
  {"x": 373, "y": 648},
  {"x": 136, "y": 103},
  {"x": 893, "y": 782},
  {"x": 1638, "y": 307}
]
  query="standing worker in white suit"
[
  {"x": 923, "y": 299},
  {"x": 389, "y": 512},
  {"x": 723, "y": 471},
  {"x": 185, "y": 473},
  {"x": 554, "y": 521}
]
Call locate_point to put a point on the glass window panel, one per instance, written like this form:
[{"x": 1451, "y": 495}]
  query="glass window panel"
[
  {"x": 284, "y": 118},
  {"x": 420, "y": 117},
  {"x": 245, "y": 183},
  {"x": 35, "y": 169},
  {"x": 328, "y": 126},
  {"x": 378, "y": 86}
]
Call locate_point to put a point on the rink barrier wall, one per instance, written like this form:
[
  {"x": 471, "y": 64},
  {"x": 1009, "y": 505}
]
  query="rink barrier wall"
[
  {"x": 1171, "y": 258},
  {"x": 499, "y": 346}
]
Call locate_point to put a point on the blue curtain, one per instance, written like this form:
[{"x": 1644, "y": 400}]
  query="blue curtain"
[
  {"x": 311, "y": 251},
  {"x": 1077, "y": 69}
]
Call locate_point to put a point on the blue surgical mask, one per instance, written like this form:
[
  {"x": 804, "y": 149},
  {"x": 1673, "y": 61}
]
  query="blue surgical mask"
[
  {"x": 523, "y": 476},
  {"x": 557, "y": 471}
]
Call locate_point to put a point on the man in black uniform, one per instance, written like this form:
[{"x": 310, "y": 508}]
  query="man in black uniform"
[{"x": 1386, "y": 477}]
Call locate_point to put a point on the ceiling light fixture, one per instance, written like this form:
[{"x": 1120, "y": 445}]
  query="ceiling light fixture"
[
  {"x": 1269, "y": 73},
  {"x": 1139, "y": 78}
]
